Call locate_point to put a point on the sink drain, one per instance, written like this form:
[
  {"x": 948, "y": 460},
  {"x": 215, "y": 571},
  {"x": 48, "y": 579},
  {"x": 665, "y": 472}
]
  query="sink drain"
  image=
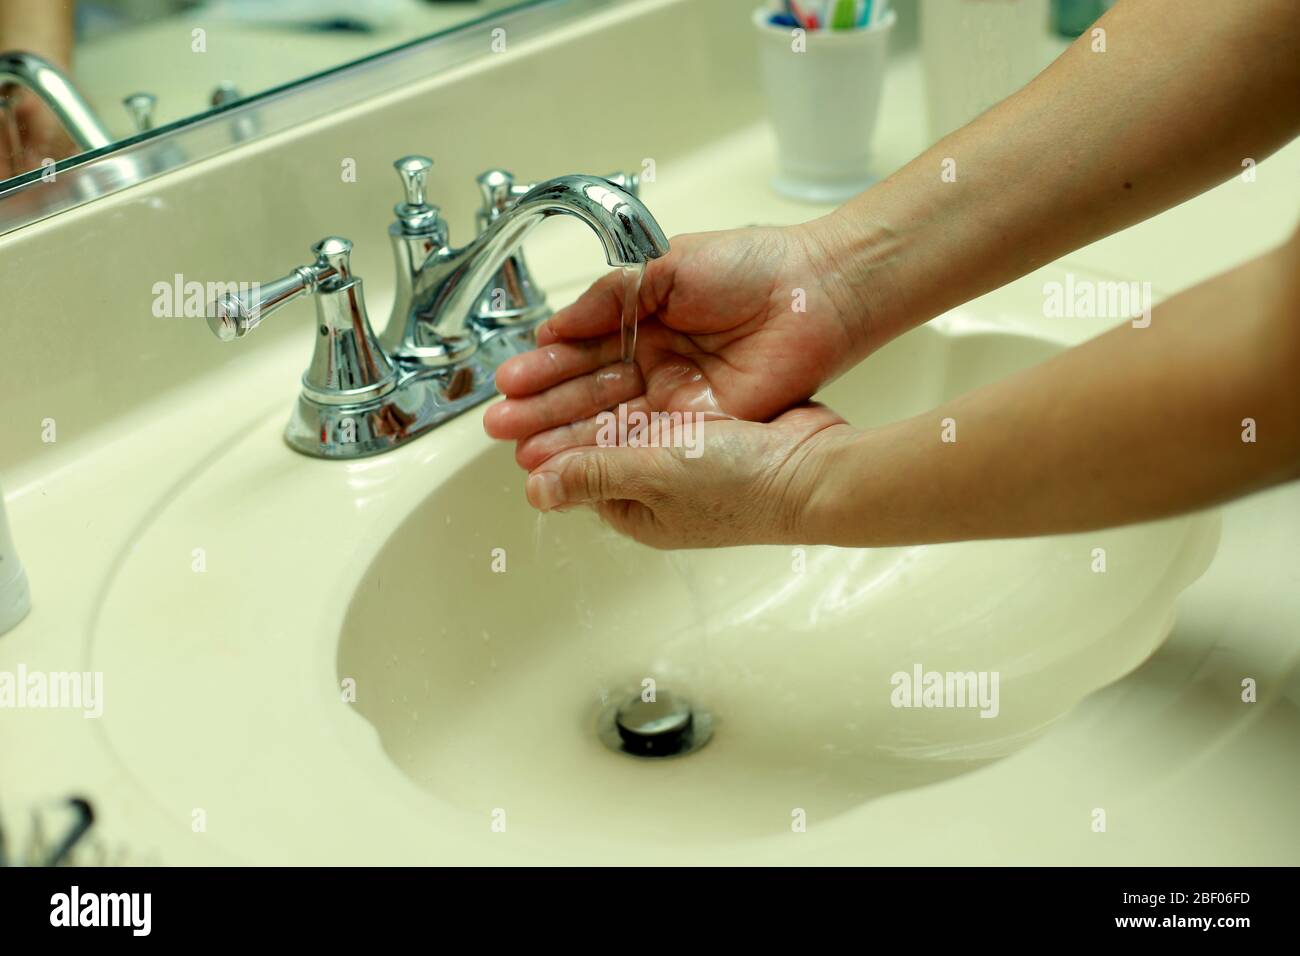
[{"x": 666, "y": 726}]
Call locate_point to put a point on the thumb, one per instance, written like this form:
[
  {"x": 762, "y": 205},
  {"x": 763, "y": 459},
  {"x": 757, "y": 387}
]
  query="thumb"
[{"x": 591, "y": 475}]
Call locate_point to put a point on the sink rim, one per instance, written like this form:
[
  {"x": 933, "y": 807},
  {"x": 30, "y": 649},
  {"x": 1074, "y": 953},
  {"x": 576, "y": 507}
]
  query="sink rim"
[{"x": 388, "y": 490}]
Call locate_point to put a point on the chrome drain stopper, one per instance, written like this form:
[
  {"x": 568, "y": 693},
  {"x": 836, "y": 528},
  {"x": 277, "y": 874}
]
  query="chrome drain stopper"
[{"x": 657, "y": 728}]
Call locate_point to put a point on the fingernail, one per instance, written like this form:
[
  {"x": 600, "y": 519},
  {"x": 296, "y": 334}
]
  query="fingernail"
[{"x": 544, "y": 490}]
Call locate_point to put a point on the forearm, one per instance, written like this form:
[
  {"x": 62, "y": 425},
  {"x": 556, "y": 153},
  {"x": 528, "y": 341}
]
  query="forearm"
[
  {"x": 43, "y": 27},
  {"x": 1137, "y": 424},
  {"x": 1097, "y": 142}
]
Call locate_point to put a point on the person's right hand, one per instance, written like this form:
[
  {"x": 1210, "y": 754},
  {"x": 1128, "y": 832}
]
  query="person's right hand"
[{"x": 745, "y": 323}]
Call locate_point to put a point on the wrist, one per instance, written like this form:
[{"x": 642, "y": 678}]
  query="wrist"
[
  {"x": 836, "y": 488},
  {"x": 856, "y": 260}
]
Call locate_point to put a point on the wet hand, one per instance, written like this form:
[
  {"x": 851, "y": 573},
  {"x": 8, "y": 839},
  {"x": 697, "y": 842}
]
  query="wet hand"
[
  {"x": 744, "y": 483},
  {"x": 743, "y": 323}
]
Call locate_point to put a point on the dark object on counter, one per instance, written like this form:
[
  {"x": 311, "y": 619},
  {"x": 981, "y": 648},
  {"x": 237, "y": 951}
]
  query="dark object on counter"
[
  {"x": 1072, "y": 18},
  {"x": 41, "y": 853}
]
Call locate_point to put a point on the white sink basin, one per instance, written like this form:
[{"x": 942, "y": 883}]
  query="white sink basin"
[
  {"x": 489, "y": 684},
  {"x": 477, "y": 692}
]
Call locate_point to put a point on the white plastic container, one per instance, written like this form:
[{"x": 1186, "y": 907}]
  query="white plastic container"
[
  {"x": 15, "y": 599},
  {"x": 823, "y": 104}
]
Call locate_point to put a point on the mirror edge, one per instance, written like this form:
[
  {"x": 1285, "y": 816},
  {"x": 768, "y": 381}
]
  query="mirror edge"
[{"x": 36, "y": 195}]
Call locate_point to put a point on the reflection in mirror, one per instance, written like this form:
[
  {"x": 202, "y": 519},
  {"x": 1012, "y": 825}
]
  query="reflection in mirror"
[{"x": 76, "y": 75}]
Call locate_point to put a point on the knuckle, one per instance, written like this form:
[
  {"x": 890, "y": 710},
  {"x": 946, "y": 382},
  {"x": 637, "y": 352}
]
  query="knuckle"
[{"x": 593, "y": 476}]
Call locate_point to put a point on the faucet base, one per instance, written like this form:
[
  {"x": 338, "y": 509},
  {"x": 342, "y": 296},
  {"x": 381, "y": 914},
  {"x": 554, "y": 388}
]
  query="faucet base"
[{"x": 422, "y": 399}]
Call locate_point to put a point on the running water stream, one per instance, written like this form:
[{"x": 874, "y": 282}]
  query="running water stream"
[{"x": 632, "y": 276}]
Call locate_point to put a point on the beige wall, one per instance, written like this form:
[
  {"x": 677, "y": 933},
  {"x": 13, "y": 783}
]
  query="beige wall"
[{"x": 78, "y": 341}]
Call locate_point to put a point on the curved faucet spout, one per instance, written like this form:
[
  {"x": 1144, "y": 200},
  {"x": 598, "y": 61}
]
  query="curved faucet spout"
[
  {"x": 45, "y": 80},
  {"x": 621, "y": 221},
  {"x": 430, "y": 325}
]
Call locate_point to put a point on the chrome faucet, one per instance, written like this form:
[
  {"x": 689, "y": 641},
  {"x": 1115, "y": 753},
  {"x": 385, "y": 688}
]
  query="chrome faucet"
[
  {"x": 364, "y": 394},
  {"x": 511, "y": 297},
  {"x": 438, "y": 287},
  {"x": 45, "y": 80}
]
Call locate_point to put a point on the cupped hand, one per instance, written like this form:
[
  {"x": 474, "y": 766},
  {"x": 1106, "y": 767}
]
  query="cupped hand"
[
  {"x": 744, "y": 323},
  {"x": 743, "y": 483}
]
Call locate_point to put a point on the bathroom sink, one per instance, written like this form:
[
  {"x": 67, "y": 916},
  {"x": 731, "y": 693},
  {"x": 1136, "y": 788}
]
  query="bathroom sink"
[
  {"x": 493, "y": 681},
  {"x": 383, "y": 660}
]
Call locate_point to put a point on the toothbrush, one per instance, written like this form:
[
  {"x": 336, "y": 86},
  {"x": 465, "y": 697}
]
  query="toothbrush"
[
  {"x": 843, "y": 14},
  {"x": 878, "y": 14},
  {"x": 782, "y": 14},
  {"x": 864, "y": 15}
]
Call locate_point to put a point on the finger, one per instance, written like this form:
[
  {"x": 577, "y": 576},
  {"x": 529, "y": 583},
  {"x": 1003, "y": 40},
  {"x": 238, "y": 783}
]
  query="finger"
[
  {"x": 593, "y": 475},
  {"x": 549, "y": 365},
  {"x": 567, "y": 402},
  {"x": 599, "y": 310},
  {"x": 543, "y": 335},
  {"x": 534, "y": 450}
]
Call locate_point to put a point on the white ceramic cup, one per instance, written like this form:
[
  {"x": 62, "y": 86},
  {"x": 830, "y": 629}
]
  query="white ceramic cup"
[{"x": 823, "y": 92}]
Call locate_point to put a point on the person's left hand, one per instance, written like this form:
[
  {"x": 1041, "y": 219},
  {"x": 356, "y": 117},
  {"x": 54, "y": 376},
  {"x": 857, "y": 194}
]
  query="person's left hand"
[{"x": 750, "y": 484}]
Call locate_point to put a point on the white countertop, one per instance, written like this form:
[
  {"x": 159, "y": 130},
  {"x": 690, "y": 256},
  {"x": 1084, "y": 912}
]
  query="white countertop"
[{"x": 1195, "y": 758}]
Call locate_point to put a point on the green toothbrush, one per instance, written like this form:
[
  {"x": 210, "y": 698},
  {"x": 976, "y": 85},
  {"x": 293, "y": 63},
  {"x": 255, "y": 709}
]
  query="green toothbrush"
[{"x": 845, "y": 15}]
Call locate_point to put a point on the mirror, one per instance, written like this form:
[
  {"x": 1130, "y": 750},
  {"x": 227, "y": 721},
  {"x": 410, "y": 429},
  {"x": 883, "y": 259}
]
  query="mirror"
[{"x": 85, "y": 78}]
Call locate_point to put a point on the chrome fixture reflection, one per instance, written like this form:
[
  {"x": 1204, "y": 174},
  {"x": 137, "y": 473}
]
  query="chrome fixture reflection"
[
  {"x": 225, "y": 93},
  {"x": 140, "y": 107},
  {"x": 243, "y": 126},
  {"x": 364, "y": 394},
  {"x": 45, "y": 80}
]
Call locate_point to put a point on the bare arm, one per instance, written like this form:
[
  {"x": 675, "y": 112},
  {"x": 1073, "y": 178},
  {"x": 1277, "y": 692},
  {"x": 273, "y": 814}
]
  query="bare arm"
[
  {"x": 1097, "y": 142},
  {"x": 43, "y": 27},
  {"x": 1139, "y": 423}
]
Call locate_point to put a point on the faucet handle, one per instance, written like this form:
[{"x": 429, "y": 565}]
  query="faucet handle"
[
  {"x": 346, "y": 408},
  {"x": 414, "y": 170},
  {"x": 415, "y": 214},
  {"x": 233, "y": 315},
  {"x": 333, "y": 260},
  {"x": 499, "y": 191},
  {"x": 497, "y": 187}
]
